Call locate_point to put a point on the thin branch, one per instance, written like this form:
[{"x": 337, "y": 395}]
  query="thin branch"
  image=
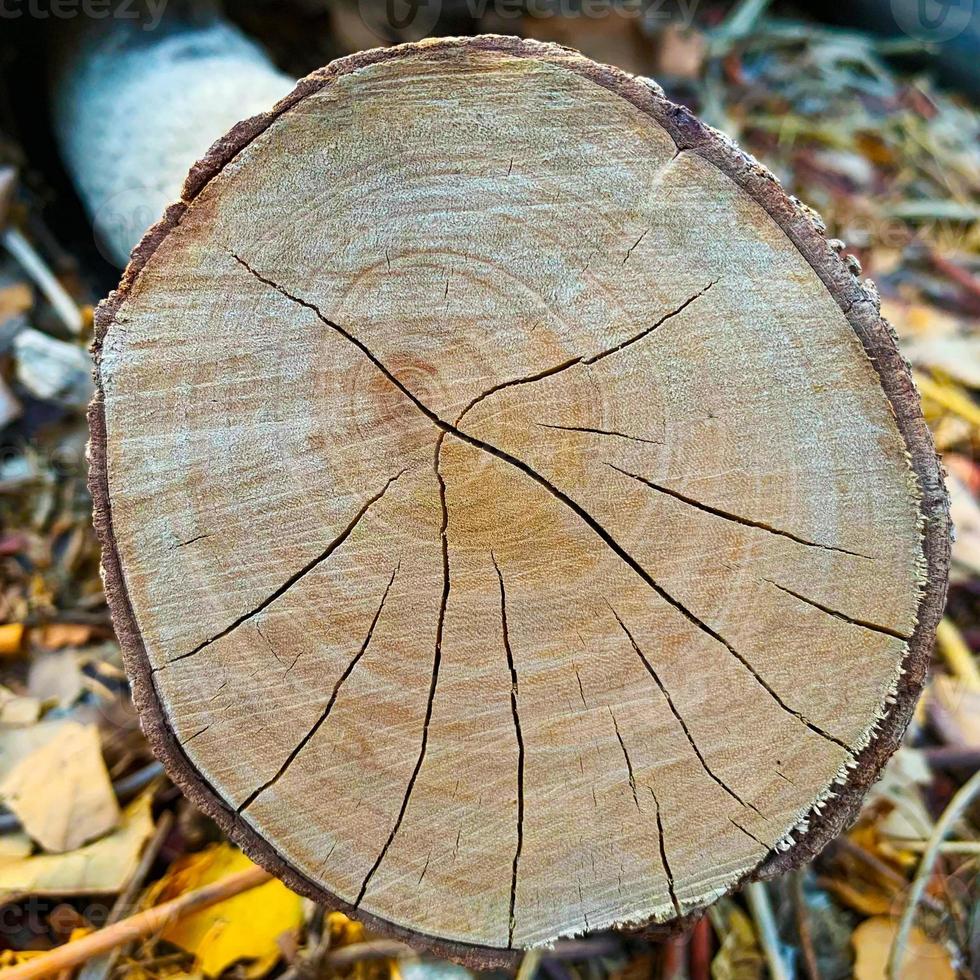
[
  {"x": 765, "y": 923},
  {"x": 153, "y": 920},
  {"x": 957, "y": 806}
]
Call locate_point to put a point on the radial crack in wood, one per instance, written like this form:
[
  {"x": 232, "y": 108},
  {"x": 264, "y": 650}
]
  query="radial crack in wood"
[
  {"x": 520, "y": 750},
  {"x": 680, "y": 720},
  {"x": 748, "y": 522},
  {"x": 517, "y": 519},
  {"x": 304, "y": 741}
]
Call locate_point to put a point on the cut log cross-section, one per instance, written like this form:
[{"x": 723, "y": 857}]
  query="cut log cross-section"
[{"x": 517, "y": 518}]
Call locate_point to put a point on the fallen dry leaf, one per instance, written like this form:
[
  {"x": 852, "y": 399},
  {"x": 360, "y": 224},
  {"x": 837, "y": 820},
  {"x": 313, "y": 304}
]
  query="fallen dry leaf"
[
  {"x": 923, "y": 960},
  {"x": 739, "y": 956},
  {"x": 246, "y": 927},
  {"x": 343, "y": 930},
  {"x": 958, "y": 357},
  {"x": 101, "y": 868},
  {"x": 15, "y": 847},
  {"x": 908, "y": 818},
  {"x": 56, "y": 678},
  {"x": 858, "y": 894},
  {"x": 954, "y": 709},
  {"x": 916, "y": 321},
  {"x": 60, "y": 791},
  {"x": 966, "y": 519},
  {"x": 11, "y": 639},
  {"x": 57, "y": 636},
  {"x": 18, "y": 710}
]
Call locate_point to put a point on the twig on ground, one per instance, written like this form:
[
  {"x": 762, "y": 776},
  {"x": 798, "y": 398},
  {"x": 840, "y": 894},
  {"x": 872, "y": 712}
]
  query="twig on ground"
[
  {"x": 957, "y": 805},
  {"x": 309, "y": 964},
  {"x": 32, "y": 263},
  {"x": 964, "y": 847},
  {"x": 765, "y": 922},
  {"x": 376, "y": 949},
  {"x": 99, "y": 968},
  {"x": 73, "y": 954},
  {"x": 953, "y": 757},
  {"x": 807, "y": 952}
]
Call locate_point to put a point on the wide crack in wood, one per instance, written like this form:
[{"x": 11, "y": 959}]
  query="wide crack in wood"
[
  {"x": 734, "y": 518},
  {"x": 514, "y": 382},
  {"x": 325, "y": 714},
  {"x": 677, "y": 715},
  {"x": 648, "y": 330},
  {"x": 663, "y": 856},
  {"x": 295, "y": 577},
  {"x": 520, "y": 753},
  {"x": 559, "y": 494},
  {"x": 436, "y": 662}
]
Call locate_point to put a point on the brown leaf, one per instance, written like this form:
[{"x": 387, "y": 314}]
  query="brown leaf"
[
  {"x": 57, "y": 636},
  {"x": 923, "y": 960}
]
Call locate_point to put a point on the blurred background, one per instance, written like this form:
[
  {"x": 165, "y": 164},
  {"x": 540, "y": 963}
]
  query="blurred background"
[{"x": 865, "y": 111}]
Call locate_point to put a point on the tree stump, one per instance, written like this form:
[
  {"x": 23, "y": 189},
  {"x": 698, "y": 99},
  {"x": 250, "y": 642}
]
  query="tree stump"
[{"x": 518, "y": 520}]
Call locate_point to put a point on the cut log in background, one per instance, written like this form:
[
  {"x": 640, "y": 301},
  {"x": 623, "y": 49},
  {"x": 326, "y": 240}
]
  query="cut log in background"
[
  {"x": 518, "y": 520},
  {"x": 133, "y": 108}
]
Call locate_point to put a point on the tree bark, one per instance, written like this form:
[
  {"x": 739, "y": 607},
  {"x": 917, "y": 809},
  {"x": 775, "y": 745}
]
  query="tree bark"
[{"x": 518, "y": 520}]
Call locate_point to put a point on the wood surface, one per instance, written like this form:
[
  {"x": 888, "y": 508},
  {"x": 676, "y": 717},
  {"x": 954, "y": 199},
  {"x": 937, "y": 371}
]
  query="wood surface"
[{"x": 518, "y": 520}]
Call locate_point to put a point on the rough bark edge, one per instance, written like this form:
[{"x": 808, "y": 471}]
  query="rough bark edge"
[{"x": 859, "y": 303}]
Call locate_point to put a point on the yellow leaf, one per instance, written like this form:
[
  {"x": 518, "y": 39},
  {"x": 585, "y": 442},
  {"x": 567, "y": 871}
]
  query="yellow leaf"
[
  {"x": 246, "y": 927},
  {"x": 923, "y": 960},
  {"x": 11, "y": 637},
  {"x": 738, "y": 956},
  {"x": 14, "y": 957},
  {"x": 344, "y": 931}
]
